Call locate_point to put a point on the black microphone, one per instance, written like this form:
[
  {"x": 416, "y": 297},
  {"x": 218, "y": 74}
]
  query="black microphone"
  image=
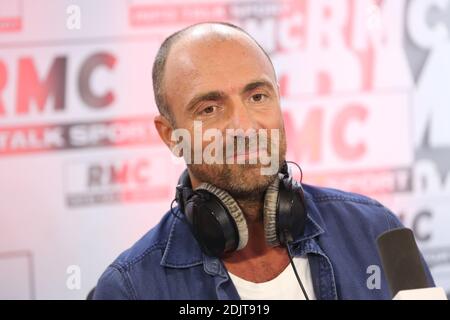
[{"x": 402, "y": 264}]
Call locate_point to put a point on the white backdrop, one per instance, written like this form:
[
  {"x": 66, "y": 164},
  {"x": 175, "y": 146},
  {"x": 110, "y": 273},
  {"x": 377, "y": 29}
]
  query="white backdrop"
[{"x": 82, "y": 171}]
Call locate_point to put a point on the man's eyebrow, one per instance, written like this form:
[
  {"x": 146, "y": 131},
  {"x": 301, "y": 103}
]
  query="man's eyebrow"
[
  {"x": 220, "y": 95},
  {"x": 208, "y": 96},
  {"x": 256, "y": 84}
]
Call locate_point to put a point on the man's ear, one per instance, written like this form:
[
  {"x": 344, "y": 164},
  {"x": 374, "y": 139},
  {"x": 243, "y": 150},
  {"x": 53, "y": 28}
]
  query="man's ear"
[{"x": 164, "y": 128}]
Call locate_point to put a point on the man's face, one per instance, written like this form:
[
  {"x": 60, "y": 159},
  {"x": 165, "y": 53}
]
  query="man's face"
[{"x": 225, "y": 84}]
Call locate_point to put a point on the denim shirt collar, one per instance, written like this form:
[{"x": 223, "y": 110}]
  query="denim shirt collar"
[{"x": 182, "y": 249}]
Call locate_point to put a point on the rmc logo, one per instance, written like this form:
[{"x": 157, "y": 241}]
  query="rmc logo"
[{"x": 36, "y": 89}]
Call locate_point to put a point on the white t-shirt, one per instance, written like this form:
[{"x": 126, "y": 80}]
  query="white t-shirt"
[{"x": 284, "y": 287}]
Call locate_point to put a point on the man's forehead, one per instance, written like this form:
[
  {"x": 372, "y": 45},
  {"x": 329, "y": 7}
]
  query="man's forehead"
[
  {"x": 203, "y": 41},
  {"x": 206, "y": 57},
  {"x": 208, "y": 46}
]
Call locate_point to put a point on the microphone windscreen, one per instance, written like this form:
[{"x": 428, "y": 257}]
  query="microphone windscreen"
[{"x": 401, "y": 260}]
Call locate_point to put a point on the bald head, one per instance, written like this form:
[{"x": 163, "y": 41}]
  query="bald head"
[{"x": 180, "y": 49}]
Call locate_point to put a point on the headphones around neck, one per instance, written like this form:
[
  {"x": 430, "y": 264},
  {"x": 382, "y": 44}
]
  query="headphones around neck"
[{"x": 219, "y": 225}]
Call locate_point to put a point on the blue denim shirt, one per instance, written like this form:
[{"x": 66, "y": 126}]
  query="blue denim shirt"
[{"x": 339, "y": 241}]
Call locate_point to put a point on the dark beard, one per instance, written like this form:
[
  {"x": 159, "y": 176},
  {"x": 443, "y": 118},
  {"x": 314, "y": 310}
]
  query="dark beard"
[
  {"x": 248, "y": 191},
  {"x": 241, "y": 181}
]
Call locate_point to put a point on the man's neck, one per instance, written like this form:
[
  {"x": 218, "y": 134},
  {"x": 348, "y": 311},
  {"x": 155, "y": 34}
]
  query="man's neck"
[{"x": 257, "y": 262}]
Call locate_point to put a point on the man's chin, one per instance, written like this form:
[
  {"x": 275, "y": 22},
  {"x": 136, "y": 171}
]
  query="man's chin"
[{"x": 240, "y": 180}]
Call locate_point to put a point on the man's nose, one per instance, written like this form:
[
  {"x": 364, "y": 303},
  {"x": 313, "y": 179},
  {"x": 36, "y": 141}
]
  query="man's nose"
[{"x": 242, "y": 117}]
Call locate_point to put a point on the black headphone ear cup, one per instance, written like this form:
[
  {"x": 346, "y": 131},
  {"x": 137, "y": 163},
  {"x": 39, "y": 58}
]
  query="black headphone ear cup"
[
  {"x": 291, "y": 210},
  {"x": 270, "y": 212},
  {"x": 233, "y": 210}
]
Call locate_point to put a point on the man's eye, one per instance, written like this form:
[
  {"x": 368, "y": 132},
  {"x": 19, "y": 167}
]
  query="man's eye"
[
  {"x": 259, "y": 97},
  {"x": 208, "y": 110}
]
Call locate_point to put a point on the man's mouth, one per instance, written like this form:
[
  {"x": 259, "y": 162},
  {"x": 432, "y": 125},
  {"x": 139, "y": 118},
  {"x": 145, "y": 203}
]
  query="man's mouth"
[{"x": 247, "y": 156}]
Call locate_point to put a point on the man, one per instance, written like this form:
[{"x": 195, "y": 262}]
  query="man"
[{"x": 215, "y": 74}]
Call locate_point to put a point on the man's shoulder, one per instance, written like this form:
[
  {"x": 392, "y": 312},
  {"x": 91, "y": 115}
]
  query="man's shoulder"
[
  {"x": 349, "y": 207},
  {"x": 323, "y": 194},
  {"x": 131, "y": 267},
  {"x": 151, "y": 244}
]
